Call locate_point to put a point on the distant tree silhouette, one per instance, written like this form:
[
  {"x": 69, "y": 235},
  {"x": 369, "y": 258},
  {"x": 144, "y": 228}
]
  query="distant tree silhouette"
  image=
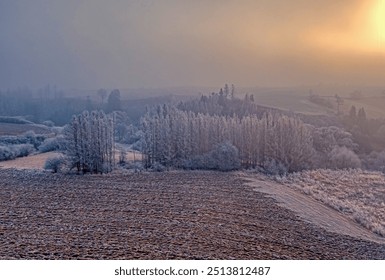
[
  {"x": 353, "y": 113},
  {"x": 102, "y": 94},
  {"x": 113, "y": 102}
]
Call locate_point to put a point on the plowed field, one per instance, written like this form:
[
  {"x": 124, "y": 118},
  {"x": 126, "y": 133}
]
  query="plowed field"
[{"x": 170, "y": 215}]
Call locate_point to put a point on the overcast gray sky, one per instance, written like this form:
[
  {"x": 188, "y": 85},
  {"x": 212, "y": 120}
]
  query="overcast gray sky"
[{"x": 161, "y": 43}]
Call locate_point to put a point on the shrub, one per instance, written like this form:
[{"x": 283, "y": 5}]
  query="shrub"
[
  {"x": 52, "y": 144},
  {"x": 380, "y": 162},
  {"x": 375, "y": 161},
  {"x": 197, "y": 162},
  {"x": 158, "y": 167},
  {"x": 273, "y": 167},
  {"x": 342, "y": 157},
  {"x": 5, "y": 153},
  {"x": 55, "y": 164},
  {"x": 8, "y": 152},
  {"x": 223, "y": 157},
  {"x": 27, "y": 138},
  {"x": 22, "y": 150}
]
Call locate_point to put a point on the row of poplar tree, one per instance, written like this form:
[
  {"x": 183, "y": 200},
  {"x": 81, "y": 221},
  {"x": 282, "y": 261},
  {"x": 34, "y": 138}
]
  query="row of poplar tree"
[
  {"x": 175, "y": 138},
  {"x": 90, "y": 142}
]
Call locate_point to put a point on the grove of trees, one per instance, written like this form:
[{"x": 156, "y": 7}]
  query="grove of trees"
[
  {"x": 90, "y": 142},
  {"x": 184, "y": 139},
  {"x": 223, "y": 132}
]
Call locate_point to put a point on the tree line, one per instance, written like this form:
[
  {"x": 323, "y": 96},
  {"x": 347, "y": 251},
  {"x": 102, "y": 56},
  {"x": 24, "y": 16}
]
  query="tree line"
[
  {"x": 51, "y": 104},
  {"x": 222, "y": 132},
  {"x": 172, "y": 138},
  {"x": 176, "y": 138}
]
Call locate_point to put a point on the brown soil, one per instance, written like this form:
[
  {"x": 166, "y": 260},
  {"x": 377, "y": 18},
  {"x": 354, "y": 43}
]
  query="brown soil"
[{"x": 170, "y": 215}]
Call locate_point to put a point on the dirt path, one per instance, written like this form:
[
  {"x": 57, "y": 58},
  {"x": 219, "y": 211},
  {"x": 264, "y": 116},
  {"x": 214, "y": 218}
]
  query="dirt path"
[{"x": 312, "y": 210}]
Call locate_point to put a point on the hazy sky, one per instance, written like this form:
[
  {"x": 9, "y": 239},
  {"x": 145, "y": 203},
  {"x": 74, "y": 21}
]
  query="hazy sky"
[{"x": 160, "y": 43}]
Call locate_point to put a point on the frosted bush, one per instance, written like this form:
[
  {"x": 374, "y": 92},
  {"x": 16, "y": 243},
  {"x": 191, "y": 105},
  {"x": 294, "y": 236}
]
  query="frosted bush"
[
  {"x": 27, "y": 138},
  {"x": 5, "y": 153},
  {"x": 223, "y": 157},
  {"x": 22, "y": 150},
  {"x": 52, "y": 144},
  {"x": 342, "y": 157},
  {"x": 55, "y": 164},
  {"x": 158, "y": 167},
  {"x": 375, "y": 161},
  {"x": 273, "y": 167},
  {"x": 8, "y": 152},
  {"x": 197, "y": 162}
]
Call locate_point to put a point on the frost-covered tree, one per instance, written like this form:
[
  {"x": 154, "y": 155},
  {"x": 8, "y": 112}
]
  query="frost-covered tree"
[
  {"x": 329, "y": 139},
  {"x": 184, "y": 139},
  {"x": 223, "y": 103},
  {"x": 90, "y": 142}
]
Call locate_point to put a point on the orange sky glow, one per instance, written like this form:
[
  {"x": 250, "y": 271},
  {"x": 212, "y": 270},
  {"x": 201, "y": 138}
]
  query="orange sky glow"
[
  {"x": 161, "y": 43},
  {"x": 363, "y": 31}
]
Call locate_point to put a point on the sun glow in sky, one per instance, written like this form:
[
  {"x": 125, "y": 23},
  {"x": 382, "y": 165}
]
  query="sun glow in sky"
[
  {"x": 379, "y": 22},
  {"x": 359, "y": 32},
  {"x": 166, "y": 43}
]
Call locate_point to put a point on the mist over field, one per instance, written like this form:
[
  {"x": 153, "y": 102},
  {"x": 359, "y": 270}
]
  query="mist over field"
[{"x": 178, "y": 129}]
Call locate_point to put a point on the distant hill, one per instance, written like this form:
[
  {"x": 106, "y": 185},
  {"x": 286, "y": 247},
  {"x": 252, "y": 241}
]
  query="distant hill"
[
  {"x": 19, "y": 128},
  {"x": 296, "y": 99}
]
